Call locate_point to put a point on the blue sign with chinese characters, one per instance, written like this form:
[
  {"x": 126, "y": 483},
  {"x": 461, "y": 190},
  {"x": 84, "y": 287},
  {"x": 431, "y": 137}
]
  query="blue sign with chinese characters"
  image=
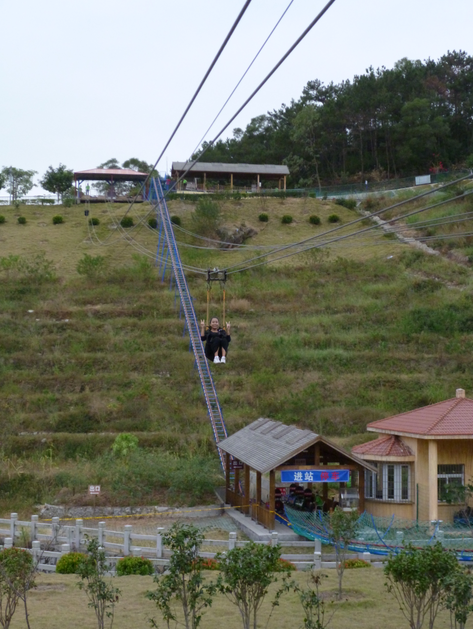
[{"x": 315, "y": 476}]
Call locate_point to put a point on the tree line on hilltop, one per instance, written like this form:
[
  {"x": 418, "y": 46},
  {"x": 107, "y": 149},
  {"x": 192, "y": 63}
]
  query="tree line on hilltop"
[{"x": 412, "y": 119}]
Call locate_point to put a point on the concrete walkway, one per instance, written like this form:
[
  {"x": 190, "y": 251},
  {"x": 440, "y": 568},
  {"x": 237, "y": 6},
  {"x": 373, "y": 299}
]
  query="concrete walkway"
[{"x": 257, "y": 532}]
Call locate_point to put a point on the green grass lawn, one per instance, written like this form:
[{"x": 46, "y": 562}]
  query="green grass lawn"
[{"x": 58, "y": 603}]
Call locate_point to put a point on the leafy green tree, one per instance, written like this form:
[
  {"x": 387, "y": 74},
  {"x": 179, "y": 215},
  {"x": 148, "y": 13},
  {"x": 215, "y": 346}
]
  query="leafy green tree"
[
  {"x": 3, "y": 179},
  {"x": 183, "y": 584},
  {"x": 102, "y": 594},
  {"x": 17, "y": 577},
  {"x": 417, "y": 578},
  {"x": 246, "y": 574},
  {"x": 315, "y": 611},
  {"x": 57, "y": 180},
  {"x": 18, "y": 182},
  {"x": 342, "y": 531},
  {"x": 458, "y": 597}
]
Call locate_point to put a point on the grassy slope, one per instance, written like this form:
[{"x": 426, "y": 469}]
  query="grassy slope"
[{"x": 329, "y": 340}]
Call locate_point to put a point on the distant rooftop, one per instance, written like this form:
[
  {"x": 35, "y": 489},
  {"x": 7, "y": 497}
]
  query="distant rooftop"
[
  {"x": 217, "y": 168},
  {"x": 110, "y": 174},
  {"x": 385, "y": 446}
]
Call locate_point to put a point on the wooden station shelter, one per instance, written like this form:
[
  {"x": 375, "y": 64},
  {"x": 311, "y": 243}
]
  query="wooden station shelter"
[
  {"x": 110, "y": 175},
  {"x": 268, "y": 447},
  {"x": 227, "y": 172}
]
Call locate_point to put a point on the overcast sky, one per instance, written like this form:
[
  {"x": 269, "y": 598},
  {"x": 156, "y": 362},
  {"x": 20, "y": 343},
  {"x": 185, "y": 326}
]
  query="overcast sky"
[{"x": 82, "y": 82}]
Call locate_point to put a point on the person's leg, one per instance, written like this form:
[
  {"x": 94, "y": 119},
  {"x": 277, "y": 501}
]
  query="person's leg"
[{"x": 224, "y": 349}]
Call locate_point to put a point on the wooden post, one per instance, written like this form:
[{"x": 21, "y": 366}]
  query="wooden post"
[
  {"x": 279, "y": 183},
  {"x": 237, "y": 482},
  {"x": 205, "y": 181},
  {"x": 246, "y": 508},
  {"x": 284, "y": 182},
  {"x": 361, "y": 489},
  {"x": 227, "y": 477},
  {"x": 325, "y": 491},
  {"x": 231, "y": 182},
  {"x": 258, "y": 488},
  {"x": 257, "y": 184},
  {"x": 272, "y": 490}
]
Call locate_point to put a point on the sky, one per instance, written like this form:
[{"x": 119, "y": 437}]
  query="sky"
[{"x": 83, "y": 82}]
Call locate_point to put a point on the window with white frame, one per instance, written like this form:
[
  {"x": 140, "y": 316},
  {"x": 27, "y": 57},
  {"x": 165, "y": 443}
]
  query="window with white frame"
[
  {"x": 449, "y": 478},
  {"x": 392, "y": 482}
]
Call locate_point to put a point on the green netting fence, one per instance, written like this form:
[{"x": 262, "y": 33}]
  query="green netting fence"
[{"x": 383, "y": 536}]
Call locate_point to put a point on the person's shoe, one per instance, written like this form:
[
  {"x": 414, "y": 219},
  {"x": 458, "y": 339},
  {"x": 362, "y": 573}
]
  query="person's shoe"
[
  {"x": 216, "y": 360},
  {"x": 223, "y": 360}
]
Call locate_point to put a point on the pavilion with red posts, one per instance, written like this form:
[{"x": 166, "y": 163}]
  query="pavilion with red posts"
[
  {"x": 262, "y": 452},
  {"x": 109, "y": 175}
]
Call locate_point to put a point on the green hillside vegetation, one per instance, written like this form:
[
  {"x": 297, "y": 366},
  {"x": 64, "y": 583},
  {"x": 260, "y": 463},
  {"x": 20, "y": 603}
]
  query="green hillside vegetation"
[{"x": 330, "y": 340}]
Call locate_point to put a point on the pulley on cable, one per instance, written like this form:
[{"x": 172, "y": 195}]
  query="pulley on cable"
[{"x": 216, "y": 336}]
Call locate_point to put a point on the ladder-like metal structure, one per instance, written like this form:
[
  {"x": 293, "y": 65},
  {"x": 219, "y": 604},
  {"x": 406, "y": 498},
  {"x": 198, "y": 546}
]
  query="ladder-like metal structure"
[{"x": 169, "y": 251}]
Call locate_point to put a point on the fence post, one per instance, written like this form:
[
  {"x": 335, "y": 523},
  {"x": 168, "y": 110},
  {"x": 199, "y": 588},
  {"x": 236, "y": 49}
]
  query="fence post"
[
  {"x": 34, "y": 527},
  {"x": 317, "y": 546},
  {"x": 70, "y": 535},
  {"x": 274, "y": 538},
  {"x": 36, "y": 546},
  {"x": 54, "y": 529},
  {"x": 159, "y": 542},
  {"x": 8, "y": 543},
  {"x": 65, "y": 548},
  {"x": 366, "y": 557},
  {"x": 13, "y": 520},
  {"x": 232, "y": 541},
  {"x": 78, "y": 531},
  {"x": 127, "y": 539},
  {"x": 317, "y": 560},
  {"x": 101, "y": 533}
]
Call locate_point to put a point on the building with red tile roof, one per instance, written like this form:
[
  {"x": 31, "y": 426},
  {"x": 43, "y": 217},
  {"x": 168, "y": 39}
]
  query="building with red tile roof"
[{"x": 421, "y": 457}]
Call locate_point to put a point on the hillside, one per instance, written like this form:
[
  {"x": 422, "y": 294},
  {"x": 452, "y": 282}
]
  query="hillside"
[{"x": 329, "y": 339}]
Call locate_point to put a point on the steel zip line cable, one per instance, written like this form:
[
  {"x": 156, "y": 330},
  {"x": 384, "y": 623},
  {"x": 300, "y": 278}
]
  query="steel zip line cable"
[
  {"x": 211, "y": 67},
  {"x": 328, "y": 242},
  {"x": 358, "y": 220},
  {"x": 263, "y": 82},
  {"x": 243, "y": 76}
]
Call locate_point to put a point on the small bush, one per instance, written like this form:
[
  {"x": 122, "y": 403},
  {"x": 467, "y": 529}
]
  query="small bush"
[
  {"x": 127, "y": 221},
  {"x": 314, "y": 220},
  {"x": 333, "y": 218},
  {"x": 2, "y": 219},
  {"x": 134, "y": 565},
  {"x": 286, "y": 219},
  {"x": 68, "y": 201},
  {"x": 264, "y": 218},
  {"x": 356, "y": 563},
  {"x": 209, "y": 564},
  {"x": 153, "y": 223},
  {"x": 22, "y": 220},
  {"x": 236, "y": 196},
  {"x": 92, "y": 266},
  {"x": 284, "y": 565},
  {"x": 94, "y": 221},
  {"x": 348, "y": 203},
  {"x": 176, "y": 220},
  {"x": 57, "y": 220},
  {"x": 69, "y": 563}
]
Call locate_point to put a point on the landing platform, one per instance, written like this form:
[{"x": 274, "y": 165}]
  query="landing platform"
[{"x": 257, "y": 532}]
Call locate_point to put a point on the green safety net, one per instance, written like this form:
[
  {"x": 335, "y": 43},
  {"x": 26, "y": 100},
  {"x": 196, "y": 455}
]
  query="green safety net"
[{"x": 385, "y": 535}]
